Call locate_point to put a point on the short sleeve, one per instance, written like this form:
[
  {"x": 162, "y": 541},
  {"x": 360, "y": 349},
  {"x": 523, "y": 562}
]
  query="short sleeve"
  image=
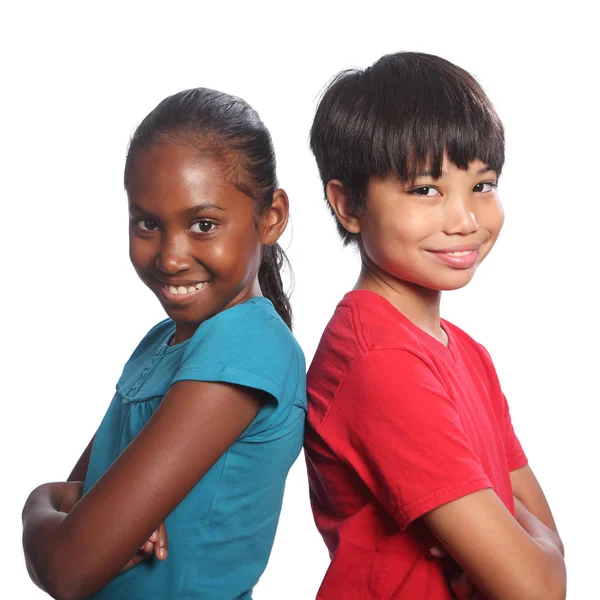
[
  {"x": 394, "y": 424},
  {"x": 515, "y": 456},
  {"x": 245, "y": 345}
]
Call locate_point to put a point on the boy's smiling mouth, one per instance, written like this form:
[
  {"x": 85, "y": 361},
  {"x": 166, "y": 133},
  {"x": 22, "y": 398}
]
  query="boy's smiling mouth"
[{"x": 459, "y": 257}]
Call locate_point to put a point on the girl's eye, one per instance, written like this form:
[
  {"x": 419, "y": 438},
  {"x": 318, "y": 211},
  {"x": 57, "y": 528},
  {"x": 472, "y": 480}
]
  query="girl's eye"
[
  {"x": 424, "y": 190},
  {"x": 146, "y": 225},
  {"x": 203, "y": 226},
  {"x": 485, "y": 186}
]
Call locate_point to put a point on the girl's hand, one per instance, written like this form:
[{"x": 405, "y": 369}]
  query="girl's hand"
[
  {"x": 156, "y": 545},
  {"x": 69, "y": 493}
]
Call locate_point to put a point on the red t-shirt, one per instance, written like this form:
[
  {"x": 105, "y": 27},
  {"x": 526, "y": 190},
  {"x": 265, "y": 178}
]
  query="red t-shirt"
[{"x": 398, "y": 424}]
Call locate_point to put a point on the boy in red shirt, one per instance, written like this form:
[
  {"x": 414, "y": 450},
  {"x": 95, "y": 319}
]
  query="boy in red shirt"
[{"x": 419, "y": 486}]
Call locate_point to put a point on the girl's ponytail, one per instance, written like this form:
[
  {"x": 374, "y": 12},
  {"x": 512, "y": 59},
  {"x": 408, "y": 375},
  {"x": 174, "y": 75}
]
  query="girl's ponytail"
[{"x": 269, "y": 278}]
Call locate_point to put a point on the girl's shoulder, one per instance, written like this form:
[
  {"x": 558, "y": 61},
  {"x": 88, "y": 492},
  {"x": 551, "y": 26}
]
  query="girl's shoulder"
[
  {"x": 252, "y": 325},
  {"x": 249, "y": 345}
]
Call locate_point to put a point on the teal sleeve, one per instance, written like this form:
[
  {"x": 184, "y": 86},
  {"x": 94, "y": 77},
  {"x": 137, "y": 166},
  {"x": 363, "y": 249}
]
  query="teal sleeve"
[{"x": 247, "y": 345}]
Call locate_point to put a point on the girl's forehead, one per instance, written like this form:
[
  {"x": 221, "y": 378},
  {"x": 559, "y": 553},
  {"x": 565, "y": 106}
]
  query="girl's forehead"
[{"x": 173, "y": 178}]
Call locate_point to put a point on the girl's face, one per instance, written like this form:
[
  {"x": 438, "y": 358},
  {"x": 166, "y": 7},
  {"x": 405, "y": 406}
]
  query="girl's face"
[
  {"x": 432, "y": 232},
  {"x": 193, "y": 238}
]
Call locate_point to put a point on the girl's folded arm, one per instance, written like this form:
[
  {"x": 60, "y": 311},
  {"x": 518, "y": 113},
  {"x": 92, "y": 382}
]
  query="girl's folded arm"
[
  {"x": 506, "y": 557},
  {"x": 72, "y": 556}
]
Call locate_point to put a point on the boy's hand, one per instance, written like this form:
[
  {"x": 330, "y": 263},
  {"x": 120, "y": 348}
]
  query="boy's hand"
[
  {"x": 460, "y": 584},
  {"x": 156, "y": 545}
]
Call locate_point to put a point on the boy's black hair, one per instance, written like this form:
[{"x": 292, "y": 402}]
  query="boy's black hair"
[
  {"x": 399, "y": 116},
  {"x": 229, "y": 130}
]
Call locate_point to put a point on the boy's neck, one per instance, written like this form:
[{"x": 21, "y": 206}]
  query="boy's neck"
[{"x": 419, "y": 305}]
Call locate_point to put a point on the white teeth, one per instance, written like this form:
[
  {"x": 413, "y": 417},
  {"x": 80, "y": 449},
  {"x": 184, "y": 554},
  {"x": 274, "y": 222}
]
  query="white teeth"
[
  {"x": 460, "y": 253},
  {"x": 182, "y": 290}
]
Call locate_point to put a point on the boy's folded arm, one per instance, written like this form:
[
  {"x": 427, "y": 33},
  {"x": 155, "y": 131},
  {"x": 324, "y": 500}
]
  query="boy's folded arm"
[
  {"x": 74, "y": 555},
  {"x": 505, "y": 559},
  {"x": 526, "y": 488}
]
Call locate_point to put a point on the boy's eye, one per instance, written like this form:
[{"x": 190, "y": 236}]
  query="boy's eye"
[
  {"x": 147, "y": 224},
  {"x": 424, "y": 190},
  {"x": 203, "y": 226},
  {"x": 485, "y": 186}
]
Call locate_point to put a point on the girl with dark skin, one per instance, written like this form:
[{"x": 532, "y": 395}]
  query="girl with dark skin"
[{"x": 205, "y": 217}]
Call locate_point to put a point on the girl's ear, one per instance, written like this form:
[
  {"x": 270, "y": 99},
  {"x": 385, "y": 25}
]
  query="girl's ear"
[
  {"x": 275, "y": 218},
  {"x": 342, "y": 206}
]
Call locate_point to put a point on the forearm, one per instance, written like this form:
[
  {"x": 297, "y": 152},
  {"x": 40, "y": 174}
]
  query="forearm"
[
  {"x": 41, "y": 521},
  {"x": 539, "y": 532},
  {"x": 550, "y": 555}
]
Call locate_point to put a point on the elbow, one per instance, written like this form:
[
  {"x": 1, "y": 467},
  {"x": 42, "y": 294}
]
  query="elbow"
[
  {"x": 551, "y": 584},
  {"x": 61, "y": 581},
  {"x": 64, "y": 589}
]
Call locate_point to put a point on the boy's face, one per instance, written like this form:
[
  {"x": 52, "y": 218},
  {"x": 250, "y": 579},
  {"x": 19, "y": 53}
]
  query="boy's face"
[{"x": 432, "y": 232}]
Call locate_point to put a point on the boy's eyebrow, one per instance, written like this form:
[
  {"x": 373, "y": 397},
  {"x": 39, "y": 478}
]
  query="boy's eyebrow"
[{"x": 481, "y": 171}]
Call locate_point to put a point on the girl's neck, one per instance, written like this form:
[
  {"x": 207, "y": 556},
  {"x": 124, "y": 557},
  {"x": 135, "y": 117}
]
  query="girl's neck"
[
  {"x": 185, "y": 330},
  {"x": 419, "y": 305}
]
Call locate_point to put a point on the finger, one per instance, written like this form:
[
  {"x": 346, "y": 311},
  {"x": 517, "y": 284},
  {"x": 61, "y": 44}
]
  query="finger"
[
  {"x": 136, "y": 560},
  {"x": 462, "y": 586},
  {"x": 161, "y": 548},
  {"x": 438, "y": 551},
  {"x": 148, "y": 547},
  {"x": 154, "y": 536}
]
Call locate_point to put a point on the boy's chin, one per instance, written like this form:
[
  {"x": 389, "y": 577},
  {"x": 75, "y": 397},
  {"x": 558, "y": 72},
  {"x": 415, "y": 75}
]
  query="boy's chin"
[
  {"x": 455, "y": 282},
  {"x": 447, "y": 283}
]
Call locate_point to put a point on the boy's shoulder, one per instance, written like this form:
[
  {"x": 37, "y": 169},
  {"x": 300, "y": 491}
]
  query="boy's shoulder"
[{"x": 364, "y": 321}]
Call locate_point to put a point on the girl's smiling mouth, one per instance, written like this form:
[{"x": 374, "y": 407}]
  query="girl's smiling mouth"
[{"x": 182, "y": 293}]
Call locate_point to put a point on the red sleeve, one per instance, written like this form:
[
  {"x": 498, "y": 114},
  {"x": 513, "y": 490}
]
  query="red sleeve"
[
  {"x": 515, "y": 456},
  {"x": 392, "y": 421}
]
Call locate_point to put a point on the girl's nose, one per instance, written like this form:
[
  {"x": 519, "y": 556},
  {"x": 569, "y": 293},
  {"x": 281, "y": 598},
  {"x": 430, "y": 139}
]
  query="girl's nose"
[{"x": 174, "y": 255}]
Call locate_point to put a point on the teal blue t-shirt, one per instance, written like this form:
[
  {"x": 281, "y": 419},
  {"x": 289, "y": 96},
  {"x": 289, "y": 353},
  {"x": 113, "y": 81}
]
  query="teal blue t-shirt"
[{"x": 221, "y": 534}]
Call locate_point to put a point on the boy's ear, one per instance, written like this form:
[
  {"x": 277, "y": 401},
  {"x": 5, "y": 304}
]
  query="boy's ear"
[
  {"x": 341, "y": 204},
  {"x": 275, "y": 218}
]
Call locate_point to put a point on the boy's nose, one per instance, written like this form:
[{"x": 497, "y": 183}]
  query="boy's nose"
[
  {"x": 174, "y": 255},
  {"x": 460, "y": 218}
]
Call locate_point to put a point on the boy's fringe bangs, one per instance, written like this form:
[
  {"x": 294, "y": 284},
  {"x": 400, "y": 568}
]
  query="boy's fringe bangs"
[{"x": 414, "y": 137}]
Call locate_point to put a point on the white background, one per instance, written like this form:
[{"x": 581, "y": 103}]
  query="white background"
[{"x": 78, "y": 77}]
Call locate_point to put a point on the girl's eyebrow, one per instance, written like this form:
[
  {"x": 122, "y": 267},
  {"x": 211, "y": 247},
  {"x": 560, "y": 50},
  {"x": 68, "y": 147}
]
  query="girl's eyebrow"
[
  {"x": 200, "y": 207},
  {"x": 192, "y": 211}
]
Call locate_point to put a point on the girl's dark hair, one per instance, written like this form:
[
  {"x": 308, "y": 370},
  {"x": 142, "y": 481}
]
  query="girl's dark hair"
[
  {"x": 228, "y": 129},
  {"x": 399, "y": 116}
]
